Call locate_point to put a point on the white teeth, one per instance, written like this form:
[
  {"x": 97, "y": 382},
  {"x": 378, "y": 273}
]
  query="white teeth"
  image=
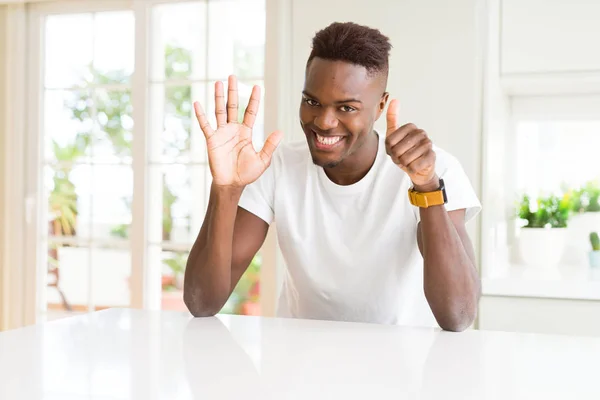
[{"x": 328, "y": 140}]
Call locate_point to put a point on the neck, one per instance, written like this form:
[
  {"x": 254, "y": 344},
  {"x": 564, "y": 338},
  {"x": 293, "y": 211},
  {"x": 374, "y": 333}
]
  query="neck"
[{"x": 353, "y": 168}]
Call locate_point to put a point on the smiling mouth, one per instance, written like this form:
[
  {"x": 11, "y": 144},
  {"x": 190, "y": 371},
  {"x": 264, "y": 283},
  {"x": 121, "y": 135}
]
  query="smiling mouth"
[{"x": 327, "y": 142}]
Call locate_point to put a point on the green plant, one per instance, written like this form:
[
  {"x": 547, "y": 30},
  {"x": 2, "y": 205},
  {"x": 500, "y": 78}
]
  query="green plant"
[
  {"x": 246, "y": 290},
  {"x": 552, "y": 211},
  {"x": 595, "y": 241},
  {"x": 592, "y": 192},
  {"x": 62, "y": 201},
  {"x": 120, "y": 231},
  {"x": 177, "y": 263},
  {"x": 586, "y": 198},
  {"x": 62, "y": 205}
]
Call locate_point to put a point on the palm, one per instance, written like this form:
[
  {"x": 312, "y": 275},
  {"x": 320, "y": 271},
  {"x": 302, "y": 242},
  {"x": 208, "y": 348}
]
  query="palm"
[{"x": 231, "y": 155}]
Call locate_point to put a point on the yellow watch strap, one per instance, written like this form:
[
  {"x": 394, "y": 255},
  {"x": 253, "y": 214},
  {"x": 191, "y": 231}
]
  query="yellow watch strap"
[{"x": 427, "y": 199}]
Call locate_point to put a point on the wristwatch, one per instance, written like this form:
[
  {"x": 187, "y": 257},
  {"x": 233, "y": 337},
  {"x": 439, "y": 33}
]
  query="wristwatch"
[{"x": 428, "y": 199}]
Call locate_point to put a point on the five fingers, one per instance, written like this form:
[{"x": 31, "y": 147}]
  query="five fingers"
[{"x": 227, "y": 111}]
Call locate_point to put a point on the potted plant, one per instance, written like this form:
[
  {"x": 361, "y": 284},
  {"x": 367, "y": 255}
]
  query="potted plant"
[
  {"x": 595, "y": 253},
  {"x": 543, "y": 235}
]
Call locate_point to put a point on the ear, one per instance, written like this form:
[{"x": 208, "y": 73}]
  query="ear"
[{"x": 382, "y": 103}]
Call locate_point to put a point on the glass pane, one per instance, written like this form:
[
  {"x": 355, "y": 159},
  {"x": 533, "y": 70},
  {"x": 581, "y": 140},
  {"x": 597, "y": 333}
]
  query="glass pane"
[
  {"x": 115, "y": 124},
  {"x": 180, "y": 139},
  {"x": 67, "y": 189},
  {"x": 111, "y": 196},
  {"x": 172, "y": 273},
  {"x": 114, "y": 51},
  {"x": 68, "y": 50},
  {"x": 67, "y": 125},
  {"x": 179, "y": 41},
  {"x": 543, "y": 163},
  {"x": 236, "y": 39},
  {"x": 67, "y": 290},
  {"x": 177, "y": 194}
]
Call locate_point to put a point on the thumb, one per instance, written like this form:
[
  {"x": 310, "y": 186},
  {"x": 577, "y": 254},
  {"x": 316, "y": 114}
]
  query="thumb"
[
  {"x": 392, "y": 116},
  {"x": 270, "y": 146}
]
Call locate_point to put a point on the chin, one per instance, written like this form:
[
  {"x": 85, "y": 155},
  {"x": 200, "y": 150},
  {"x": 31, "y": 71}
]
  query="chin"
[
  {"x": 325, "y": 163},
  {"x": 326, "y": 157}
]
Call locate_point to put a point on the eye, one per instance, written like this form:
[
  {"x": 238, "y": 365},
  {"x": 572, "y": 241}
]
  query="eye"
[
  {"x": 311, "y": 102},
  {"x": 347, "y": 109}
]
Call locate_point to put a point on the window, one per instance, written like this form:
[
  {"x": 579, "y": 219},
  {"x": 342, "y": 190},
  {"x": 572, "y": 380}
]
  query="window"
[
  {"x": 192, "y": 45},
  {"x": 552, "y": 180},
  {"x": 87, "y": 171},
  {"x": 104, "y": 161},
  {"x": 555, "y": 156},
  {"x": 557, "y": 166},
  {"x": 555, "y": 143}
]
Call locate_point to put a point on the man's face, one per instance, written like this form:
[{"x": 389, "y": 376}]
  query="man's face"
[{"x": 340, "y": 104}]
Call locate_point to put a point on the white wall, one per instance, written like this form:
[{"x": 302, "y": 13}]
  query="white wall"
[
  {"x": 435, "y": 68},
  {"x": 541, "y": 36}
]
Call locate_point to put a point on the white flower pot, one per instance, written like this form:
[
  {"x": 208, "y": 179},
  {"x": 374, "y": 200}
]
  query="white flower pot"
[
  {"x": 594, "y": 258},
  {"x": 542, "y": 247}
]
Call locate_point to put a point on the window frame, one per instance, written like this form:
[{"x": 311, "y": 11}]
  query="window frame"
[{"x": 145, "y": 287}]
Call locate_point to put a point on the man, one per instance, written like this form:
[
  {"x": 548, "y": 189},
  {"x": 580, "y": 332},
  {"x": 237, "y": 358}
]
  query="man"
[{"x": 356, "y": 247}]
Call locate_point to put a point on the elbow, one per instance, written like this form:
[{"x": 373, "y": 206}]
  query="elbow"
[
  {"x": 458, "y": 319},
  {"x": 456, "y": 324},
  {"x": 199, "y": 304}
]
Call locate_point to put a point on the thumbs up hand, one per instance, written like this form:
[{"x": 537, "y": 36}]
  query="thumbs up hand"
[{"x": 411, "y": 149}]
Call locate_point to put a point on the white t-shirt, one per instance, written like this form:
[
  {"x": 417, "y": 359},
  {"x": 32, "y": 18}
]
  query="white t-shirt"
[{"x": 351, "y": 252}]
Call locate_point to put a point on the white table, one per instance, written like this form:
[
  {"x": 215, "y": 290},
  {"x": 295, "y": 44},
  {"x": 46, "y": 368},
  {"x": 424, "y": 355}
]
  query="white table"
[{"x": 126, "y": 354}]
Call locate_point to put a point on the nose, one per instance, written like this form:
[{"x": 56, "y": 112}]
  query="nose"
[{"x": 326, "y": 119}]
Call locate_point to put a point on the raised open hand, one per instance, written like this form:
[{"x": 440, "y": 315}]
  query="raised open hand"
[{"x": 231, "y": 155}]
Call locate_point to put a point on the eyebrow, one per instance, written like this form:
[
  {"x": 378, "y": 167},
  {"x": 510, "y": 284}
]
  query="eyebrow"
[{"x": 304, "y": 92}]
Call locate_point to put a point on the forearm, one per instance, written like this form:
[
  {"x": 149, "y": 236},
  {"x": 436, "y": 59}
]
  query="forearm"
[
  {"x": 207, "y": 283},
  {"x": 451, "y": 282}
]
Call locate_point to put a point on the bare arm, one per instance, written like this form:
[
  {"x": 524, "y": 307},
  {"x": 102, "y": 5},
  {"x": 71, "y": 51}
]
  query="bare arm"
[
  {"x": 228, "y": 240},
  {"x": 230, "y": 236},
  {"x": 451, "y": 282}
]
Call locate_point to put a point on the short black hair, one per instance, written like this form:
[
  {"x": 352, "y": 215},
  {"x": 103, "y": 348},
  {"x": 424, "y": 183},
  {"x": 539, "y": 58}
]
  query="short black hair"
[{"x": 353, "y": 43}]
